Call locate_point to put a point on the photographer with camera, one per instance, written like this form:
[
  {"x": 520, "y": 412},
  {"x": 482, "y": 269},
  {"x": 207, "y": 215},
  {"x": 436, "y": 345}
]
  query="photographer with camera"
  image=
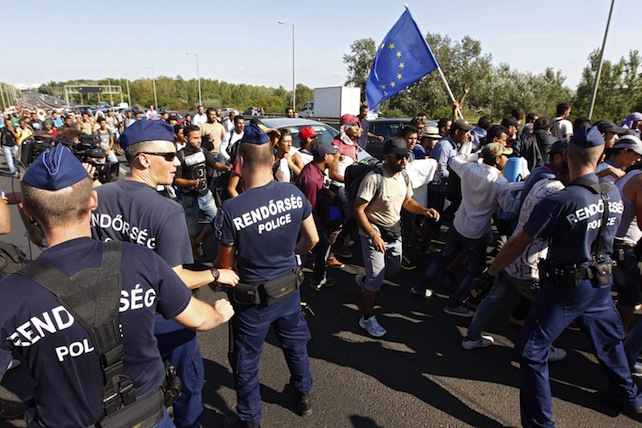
[
  {"x": 191, "y": 179},
  {"x": 73, "y": 384}
]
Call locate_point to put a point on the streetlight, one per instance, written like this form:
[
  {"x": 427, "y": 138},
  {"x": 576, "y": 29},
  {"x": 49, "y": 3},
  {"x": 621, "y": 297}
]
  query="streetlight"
[
  {"x": 293, "y": 75},
  {"x": 198, "y": 77},
  {"x": 154, "y": 86}
]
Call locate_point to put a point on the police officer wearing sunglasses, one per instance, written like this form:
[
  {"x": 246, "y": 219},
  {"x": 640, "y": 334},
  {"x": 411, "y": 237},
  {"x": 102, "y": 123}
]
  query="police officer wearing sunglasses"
[{"x": 132, "y": 211}]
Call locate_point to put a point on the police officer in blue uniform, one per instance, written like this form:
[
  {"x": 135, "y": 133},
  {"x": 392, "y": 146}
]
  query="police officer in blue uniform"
[
  {"x": 133, "y": 211},
  {"x": 259, "y": 231},
  {"x": 580, "y": 221},
  {"x": 57, "y": 350}
]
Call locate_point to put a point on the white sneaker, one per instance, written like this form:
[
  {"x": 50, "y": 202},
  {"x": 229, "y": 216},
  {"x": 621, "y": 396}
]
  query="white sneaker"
[
  {"x": 372, "y": 326},
  {"x": 483, "y": 342},
  {"x": 556, "y": 354}
]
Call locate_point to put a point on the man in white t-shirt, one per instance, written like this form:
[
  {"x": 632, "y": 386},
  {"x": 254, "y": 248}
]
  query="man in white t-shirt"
[{"x": 565, "y": 125}]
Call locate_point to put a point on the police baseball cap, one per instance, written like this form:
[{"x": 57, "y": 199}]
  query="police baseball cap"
[
  {"x": 146, "y": 130},
  {"x": 254, "y": 135},
  {"x": 493, "y": 150},
  {"x": 588, "y": 136},
  {"x": 609, "y": 126},
  {"x": 55, "y": 169},
  {"x": 630, "y": 142},
  {"x": 306, "y": 133},
  {"x": 395, "y": 145},
  {"x": 320, "y": 149}
]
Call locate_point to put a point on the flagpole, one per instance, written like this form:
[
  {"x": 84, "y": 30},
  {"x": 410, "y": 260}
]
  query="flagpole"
[
  {"x": 452, "y": 97},
  {"x": 599, "y": 66}
]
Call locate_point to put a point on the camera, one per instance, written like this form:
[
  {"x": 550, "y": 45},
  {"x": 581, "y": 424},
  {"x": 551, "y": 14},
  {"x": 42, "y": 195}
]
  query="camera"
[{"x": 87, "y": 150}]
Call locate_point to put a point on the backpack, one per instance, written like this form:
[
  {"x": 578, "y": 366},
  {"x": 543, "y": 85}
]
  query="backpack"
[
  {"x": 355, "y": 174},
  {"x": 556, "y": 131},
  {"x": 11, "y": 259},
  {"x": 218, "y": 186}
]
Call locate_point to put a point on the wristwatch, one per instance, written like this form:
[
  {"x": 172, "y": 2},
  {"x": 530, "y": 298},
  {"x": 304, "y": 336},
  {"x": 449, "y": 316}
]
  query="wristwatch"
[{"x": 215, "y": 274}]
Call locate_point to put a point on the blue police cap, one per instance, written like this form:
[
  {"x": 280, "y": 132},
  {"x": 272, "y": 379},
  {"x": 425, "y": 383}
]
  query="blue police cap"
[
  {"x": 146, "y": 130},
  {"x": 587, "y": 136},
  {"x": 254, "y": 135},
  {"x": 55, "y": 169}
]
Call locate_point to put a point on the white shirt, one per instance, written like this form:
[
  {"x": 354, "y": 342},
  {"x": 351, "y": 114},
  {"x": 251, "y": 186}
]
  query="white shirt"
[
  {"x": 482, "y": 189},
  {"x": 199, "y": 119}
]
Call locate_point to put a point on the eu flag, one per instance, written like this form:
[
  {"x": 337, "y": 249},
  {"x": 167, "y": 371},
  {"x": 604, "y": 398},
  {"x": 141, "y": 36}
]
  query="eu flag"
[{"x": 402, "y": 58}]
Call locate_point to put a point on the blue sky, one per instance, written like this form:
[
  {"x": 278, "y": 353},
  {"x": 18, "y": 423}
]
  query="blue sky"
[{"x": 241, "y": 41}]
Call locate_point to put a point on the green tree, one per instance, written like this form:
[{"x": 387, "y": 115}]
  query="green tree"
[{"x": 359, "y": 62}]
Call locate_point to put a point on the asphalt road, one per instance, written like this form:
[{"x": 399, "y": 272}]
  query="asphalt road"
[{"x": 416, "y": 376}]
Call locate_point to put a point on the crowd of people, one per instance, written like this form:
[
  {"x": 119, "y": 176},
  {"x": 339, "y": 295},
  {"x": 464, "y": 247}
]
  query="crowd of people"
[{"x": 560, "y": 201}]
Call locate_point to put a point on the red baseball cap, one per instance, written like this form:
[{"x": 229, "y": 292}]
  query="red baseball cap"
[{"x": 306, "y": 133}]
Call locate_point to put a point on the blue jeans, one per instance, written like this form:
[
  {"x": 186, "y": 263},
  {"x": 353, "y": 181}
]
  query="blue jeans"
[
  {"x": 193, "y": 205},
  {"x": 556, "y": 306},
  {"x": 180, "y": 346},
  {"x": 379, "y": 264},
  {"x": 10, "y": 155},
  {"x": 250, "y": 326},
  {"x": 474, "y": 257},
  {"x": 633, "y": 343},
  {"x": 501, "y": 290},
  {"x": 321, "y": 251}
]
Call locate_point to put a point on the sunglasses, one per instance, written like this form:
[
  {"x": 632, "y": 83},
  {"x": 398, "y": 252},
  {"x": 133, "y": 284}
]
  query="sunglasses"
[
  {"x": 400, "y": 157},
  {"x": 169, "y": 156}
]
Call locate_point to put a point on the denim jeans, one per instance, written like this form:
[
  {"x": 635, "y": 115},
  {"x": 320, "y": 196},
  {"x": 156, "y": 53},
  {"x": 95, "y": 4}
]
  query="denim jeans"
[
  {"x": 501, "y": 290},
  {"x": 193, "y": 205},
  {"x": 626, "y": 277},
  {"x": 10, "y": 155}
]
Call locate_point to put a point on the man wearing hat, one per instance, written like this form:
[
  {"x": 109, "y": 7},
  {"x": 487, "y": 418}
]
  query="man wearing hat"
[
  {"x": 307, "y": 138},
  {"x": 429, "y": 138},
  {"x": 311, "y": 181},
  {"x": 131, "y": 210},
  {"x": 483, "y": 188},
  {"x": 267, "y": 212},
  {"x": 58, "y": 194},
  {"x": 576, "y": 281},
  {"x": 382, "y": 194}
]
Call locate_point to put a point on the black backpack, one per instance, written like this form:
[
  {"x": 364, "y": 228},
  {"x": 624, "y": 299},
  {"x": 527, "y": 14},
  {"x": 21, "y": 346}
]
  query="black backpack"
[
  {"x": 355, "y": 174},
  {"x": 11, "y": 259},
  {"x": 556, "y": 131}
]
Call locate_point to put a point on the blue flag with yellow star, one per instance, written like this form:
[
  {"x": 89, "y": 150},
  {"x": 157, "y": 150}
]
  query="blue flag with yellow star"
[{"x": 402, "y": 58}]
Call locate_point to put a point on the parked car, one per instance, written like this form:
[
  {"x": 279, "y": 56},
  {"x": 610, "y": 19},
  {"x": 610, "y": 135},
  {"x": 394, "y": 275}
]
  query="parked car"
[
  {"x": 226, "y": 111},
  {"x": 325, "y": 132},
  {"x": 253, "y": 111},
  {"x": 388, "y": 128}
]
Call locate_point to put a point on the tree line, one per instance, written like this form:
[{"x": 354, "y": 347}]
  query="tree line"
[{"x": 496, "y": 89}]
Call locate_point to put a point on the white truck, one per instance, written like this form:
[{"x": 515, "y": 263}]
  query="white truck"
[{"x": 332, "y": 102}]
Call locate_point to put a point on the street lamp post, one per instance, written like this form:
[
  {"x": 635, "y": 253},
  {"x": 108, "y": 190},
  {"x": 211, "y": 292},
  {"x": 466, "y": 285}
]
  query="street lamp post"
[
  {"x": 293, "y": 62},
  {"x": 198, "y": 77},
  {"x": 154, "y": 86}
]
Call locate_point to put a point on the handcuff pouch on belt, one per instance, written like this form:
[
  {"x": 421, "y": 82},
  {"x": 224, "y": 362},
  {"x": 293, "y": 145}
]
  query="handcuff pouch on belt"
[{"x": 270, "y": 292}]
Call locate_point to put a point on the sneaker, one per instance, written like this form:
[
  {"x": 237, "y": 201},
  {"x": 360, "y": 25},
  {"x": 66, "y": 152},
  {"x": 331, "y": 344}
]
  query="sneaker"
[
  {"x": 324, "y": 283},
  {"x": 333, "y": 262},
  {"x": 11, "y": 409},
  {"x": 483, "y": 342},
  {"x": 372, "y": 326},
  {"x": 421, "y": 292},
  {"x": 342, "y": 252},
  {"x": 574, "y": 326},
  {"x": 304, "y": 404},
  {"x": 407, "y": 264},
  {"x": 361, "y": 281},
  {"x": 16, "y": 174},
  {"x": 556, "y": 354},
  {"x": 460, "y": 311},
  {"x": 636, "y": 370}
]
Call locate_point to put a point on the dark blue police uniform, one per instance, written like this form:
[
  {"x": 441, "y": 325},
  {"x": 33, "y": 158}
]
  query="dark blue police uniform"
[
  {"x": 571, "y": 219},
  {"x": 263, "y": 224}
]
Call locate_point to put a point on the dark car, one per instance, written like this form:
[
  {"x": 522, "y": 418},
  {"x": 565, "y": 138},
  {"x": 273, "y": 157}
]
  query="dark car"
[
  {"x": 387, "y": 128},
  {"x": 324, "y": 131}
]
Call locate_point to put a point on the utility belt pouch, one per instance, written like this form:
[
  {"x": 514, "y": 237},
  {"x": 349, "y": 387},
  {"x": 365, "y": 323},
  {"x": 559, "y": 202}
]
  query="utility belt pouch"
[
  {"x": 245, "y": 294},
  {"x": 144, "y": 413},
  {"x": 389, "y": 233},
  {"x": 277, "y": 289},
  {"x": 172, "y": 386},
  {"x": 601, "y": 271}
]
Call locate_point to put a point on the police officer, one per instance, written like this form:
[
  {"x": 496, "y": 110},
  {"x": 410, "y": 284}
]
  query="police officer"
[
  {"x": 267, "y": 212},
  {"x": 132, "y": 211},
  {"x": 580, "y": 221},
  {"x": 57, "y": 350}
]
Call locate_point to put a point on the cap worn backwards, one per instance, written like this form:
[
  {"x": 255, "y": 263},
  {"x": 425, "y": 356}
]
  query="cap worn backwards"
[
  {"x": 55, "y": 169},
  {"x": 254, "y": 135},
  {"x": 146, "y": 130},
  {"x": 320, "y": 149}
]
